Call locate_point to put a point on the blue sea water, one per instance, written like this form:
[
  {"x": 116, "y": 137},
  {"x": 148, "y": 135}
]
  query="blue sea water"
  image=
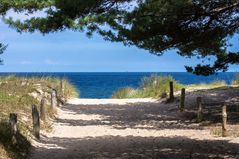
[{"x": 102, "y": 85}]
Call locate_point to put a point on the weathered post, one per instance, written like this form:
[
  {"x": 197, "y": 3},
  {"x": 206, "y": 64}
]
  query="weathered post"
[
  {"x": 53, "y": 100},
  {"x": 171, "y": 95},
  {"x": 13, "y": 126},
  {"x": 224, "y": 120},
  {"x": 43, "y": 109},
  {"x": 36, "y": 122},
  {"x": 200, "y": 109},
  {"x": 62, "y": 88},
  {"x": 58, "y": 98},
  {"x": 182, "y": 101}
]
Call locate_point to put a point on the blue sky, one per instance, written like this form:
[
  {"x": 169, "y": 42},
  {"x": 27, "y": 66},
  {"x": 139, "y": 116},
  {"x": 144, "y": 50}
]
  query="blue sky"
[{"x": 70, "y": 51}]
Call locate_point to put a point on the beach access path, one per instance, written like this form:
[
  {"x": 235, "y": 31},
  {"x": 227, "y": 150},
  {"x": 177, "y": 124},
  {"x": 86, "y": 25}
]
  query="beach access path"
[{"x": 129, "y": 128}]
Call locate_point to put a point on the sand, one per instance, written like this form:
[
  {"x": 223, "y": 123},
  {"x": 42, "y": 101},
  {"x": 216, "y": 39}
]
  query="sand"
[{"x": 130, "y": 128}]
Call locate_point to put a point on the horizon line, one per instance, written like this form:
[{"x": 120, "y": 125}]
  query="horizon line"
[{"x": 106, "y": 72}]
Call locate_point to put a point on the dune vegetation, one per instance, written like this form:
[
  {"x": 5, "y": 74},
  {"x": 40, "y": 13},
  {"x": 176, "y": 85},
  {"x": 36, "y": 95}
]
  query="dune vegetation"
[
  {"x": 17, "y": 95},
  {"x": 153, "y": 86},
  {"x": 236, "y": 82},
  {"x": 158, "y": 87},
  {"x": 211, "y": 85}
]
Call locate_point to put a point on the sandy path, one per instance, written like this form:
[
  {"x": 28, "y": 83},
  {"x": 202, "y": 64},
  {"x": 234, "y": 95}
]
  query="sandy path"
[{"x": 141, "y": 128}]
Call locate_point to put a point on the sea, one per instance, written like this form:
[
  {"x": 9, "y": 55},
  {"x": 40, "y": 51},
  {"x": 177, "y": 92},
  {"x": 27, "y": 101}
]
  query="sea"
[{"x": 103, "y": 84}]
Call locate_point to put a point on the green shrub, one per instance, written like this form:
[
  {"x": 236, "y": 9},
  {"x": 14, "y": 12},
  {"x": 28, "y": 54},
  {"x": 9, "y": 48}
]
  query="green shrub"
[
  {"x": 150, "y": 87},
  {"x": 70, "y": 90},
  {"x": 237, "y": 79},
  {"x": 126, "y": 92},
  {"x": 157, "y": 86}
]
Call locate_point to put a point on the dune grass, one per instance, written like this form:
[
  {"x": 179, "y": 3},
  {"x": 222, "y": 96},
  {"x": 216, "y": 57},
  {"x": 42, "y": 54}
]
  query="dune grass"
[
  {"x": 126, "y": 92},
  {"x": 212, "y": 85},
  {"x": 158, "y": 87},
  {"x": 236, "y": 81},
  {"x": 150, "y": 87},
  {"x": 17, "y": 96}
]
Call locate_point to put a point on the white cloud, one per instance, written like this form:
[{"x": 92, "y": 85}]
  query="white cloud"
[
  {"x": 50, "y": 62},
  {"x": 24, "y": 15},
  {"x": 26, "y": 62}
]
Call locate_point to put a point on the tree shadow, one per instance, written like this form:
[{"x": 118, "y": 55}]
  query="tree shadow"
[
  {"x": 138, "y": 147},
  {"x": 213, "y": 100},
  {"x": 159, "y": 115},
  {"x": 214, "y": 97},
  {"x": 151, "y": 116},
  {"x": 137, "y": 115},
  {"x": 20, "y": 149}
]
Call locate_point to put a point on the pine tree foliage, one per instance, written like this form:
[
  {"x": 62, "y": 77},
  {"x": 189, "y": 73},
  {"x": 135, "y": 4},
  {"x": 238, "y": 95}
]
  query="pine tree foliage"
[{"x": 200, "y": 28}]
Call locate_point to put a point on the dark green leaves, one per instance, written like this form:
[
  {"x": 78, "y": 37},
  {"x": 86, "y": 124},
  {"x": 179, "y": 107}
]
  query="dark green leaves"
[
  {"x": 194, "y": 28},
  {"x": 2, "y": 49}
]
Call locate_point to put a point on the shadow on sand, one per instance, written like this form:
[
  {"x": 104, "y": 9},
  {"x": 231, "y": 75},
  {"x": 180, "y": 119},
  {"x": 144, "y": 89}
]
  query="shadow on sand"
[
  {"x": 141, "y": 147},
  {"x": 151, "y": 116}
]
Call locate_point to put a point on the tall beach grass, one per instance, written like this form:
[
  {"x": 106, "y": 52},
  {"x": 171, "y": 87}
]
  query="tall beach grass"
[
  {"x": 158, "y": 86},
  {"x": 17, "y": 95},
  {"x": 236, "y": 82},
  {"x": 150, "y": 87}
]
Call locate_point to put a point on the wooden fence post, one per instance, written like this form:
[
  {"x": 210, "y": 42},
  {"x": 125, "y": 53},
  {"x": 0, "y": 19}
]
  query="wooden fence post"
[
  {"x": 36, "y": 122},
  {"x": 57, "y": 98},
  {"x": 62, "y": 88},
  {"x": 224, "y": 120},
  {"x": 43, "y": 109},
  {"x": 171, "y": 93},
  {"x": 200, "y": 109},
  {"x": 53, "y": 100},
  {"x": 182, "y": 101},
  {"x": 13, "y": 126}
]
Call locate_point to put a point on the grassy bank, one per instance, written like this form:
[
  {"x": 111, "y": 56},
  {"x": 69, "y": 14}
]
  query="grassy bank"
[
  {"x": 17, "y": 95},
  {"x": 158, "y": 87}
]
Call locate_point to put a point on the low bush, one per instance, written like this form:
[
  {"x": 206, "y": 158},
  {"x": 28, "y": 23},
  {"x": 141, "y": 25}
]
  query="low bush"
[
  {"x": 150, "y": 87},
  {"x": 236, "y": 81},
  {"x": 126, "y": 92},
  {"x": 157, "y": 86}
]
